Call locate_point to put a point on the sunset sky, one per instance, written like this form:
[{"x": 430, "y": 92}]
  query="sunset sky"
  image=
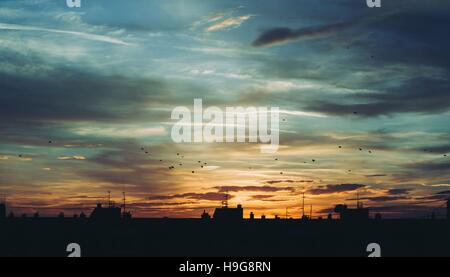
[{"x": 363, "y": 92}]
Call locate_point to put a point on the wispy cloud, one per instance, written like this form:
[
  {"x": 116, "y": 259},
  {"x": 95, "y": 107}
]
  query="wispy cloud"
[
  {"x": 231, "y": 22},
  {"x": 72, "y": 158},
  {"x": 87, "y": 36},
  {"x": 329, "y": 189},
  {"x": 221, "y": 21}
]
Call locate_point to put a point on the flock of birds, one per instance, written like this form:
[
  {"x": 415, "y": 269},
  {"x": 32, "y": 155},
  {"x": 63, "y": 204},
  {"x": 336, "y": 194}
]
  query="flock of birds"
[
  {"x": 203, "y": 164},
  {"x": 173, "y": 165}
]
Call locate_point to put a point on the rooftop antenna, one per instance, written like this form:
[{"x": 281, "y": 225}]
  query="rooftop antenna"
[
  {"x": 225, "y": 202},
  {"x": 286, "y": 213},
  {"x": 109, "y": 198},
  {"x": 303, "y": 205},
  {"x": 124, "y": 202},
  {"x": 358, "y": 204},
  {"x": 310, "y": 212}
]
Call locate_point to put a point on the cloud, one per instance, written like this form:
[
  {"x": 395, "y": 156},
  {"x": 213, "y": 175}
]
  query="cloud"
[
  {"x": 87, "y": 36},
  {"x": 253, "y": 188},
  {"x": 261, "y": 197},
  {"x": 271, "y": 182},
  {"x": 398, "y": 191},
  {"x": 116, "y": 99},
  {"x": 231, "y": 22},
  {"x": 284, "y": 35},
  {"x": 430, "y": 166},
  {"x": 121, "y": 132},
  {"x": 330, "y": 189},
  {"x": 222, "y": 21},
  {"x": 385, "y": 198},
  {"x": 419, "y": 95},
  {"x": 375, "y": 175},
  {"x": 209, "y": 196},
  {"x": 72, "y": 158},
  {"x": 442, "y": 195}
]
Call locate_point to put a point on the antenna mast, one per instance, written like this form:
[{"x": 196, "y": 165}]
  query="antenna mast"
[
  {"x": 109, "y": 198},
  {"x": 124, "y": 203},
  {"x": 225, "y": 202},
  {"x": 358, "y": 204},
  {"x": 303, "y": 205}
]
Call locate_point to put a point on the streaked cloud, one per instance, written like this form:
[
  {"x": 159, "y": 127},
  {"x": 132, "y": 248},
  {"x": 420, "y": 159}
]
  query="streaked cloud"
[
  {"x": 88, "y": 36},
  {"x": 330, "y": 189},
  {"x": 231, "y": 22},
  {"x": 72, "y": 158}
]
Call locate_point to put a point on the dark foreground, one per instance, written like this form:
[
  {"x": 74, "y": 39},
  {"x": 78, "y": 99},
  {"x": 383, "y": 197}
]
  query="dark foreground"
[{"x": 189, "y": 237}]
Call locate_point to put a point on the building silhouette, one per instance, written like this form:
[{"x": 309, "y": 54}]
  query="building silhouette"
[
  {"x": 110, "y": 213},
  {"x": 205, "y": 215},
  {"x": 349, "y": 214},
  {"x": 229, "y": 214},
  {"x": 2, "y": 210}
]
